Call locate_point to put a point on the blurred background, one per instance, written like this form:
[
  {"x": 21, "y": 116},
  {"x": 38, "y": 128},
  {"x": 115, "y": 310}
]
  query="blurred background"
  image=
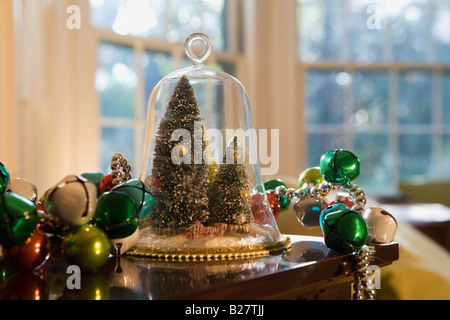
[{"x": 369, "y": 76}]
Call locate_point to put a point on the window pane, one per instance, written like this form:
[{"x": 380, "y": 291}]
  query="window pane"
[
  {"x": 116, "y": 80},
  {"x": 172, "y": 20},
  {"x": 415, "y": 97},
  {"x": 409, "y": 30},
  {"x": 145, "y": 18},
  {"x": 320, "y": 30},
  {"x": 325, "y": 96},
  {"x": 446, "y": 98},
  {"x": 183, "y": 18},
  {"x": 375, "y": 160},
  {"x": 415, "y": 156},
  {"x": 445, "y": 171},
  {"x": 156, "y": 65},
  {"x": 116, "y": 140},
  {"x": 366, "y": 31},
  {"x": 213, "y": 17},
  {"x": 440, "y": 28},
  {"x": 371, "y": 96},
  {"x": 228, "y": 67},
  {"x": 319, "y": 144}
]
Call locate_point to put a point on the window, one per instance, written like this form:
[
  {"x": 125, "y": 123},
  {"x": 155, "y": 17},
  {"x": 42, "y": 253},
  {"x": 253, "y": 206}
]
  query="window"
[
  {"x": 138, "y": 43},
  {"x": 377, "y": 82}
]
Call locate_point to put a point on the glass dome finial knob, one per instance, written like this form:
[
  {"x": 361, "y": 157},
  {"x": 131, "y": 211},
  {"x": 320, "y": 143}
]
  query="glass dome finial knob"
[{"x": 197, "y": 48}]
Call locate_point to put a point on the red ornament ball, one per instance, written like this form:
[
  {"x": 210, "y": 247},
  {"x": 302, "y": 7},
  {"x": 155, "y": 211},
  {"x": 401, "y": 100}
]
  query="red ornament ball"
[
  {"x": 106, "y": 184},
  {"x": 274, "y": 203},
  {"x": 31, "y": 255},
  {"x": 260, "y": 210}
]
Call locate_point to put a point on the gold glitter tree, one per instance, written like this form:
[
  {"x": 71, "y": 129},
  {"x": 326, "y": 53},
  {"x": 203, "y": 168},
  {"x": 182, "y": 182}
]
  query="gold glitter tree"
[
  {"x": 229, "y": 196},
  {"x": 180, "y": 189}
]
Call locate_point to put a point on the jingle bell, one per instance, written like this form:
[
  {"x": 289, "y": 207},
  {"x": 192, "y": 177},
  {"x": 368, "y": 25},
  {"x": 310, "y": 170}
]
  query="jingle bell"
[
  {"x": 73, "y": 200},
  {"x": 274, "y": 203},
  {"x": 31, "y": 255},
  {"x": 381, "y": 226},
  {"x": 121, "y": 245},
  {"x": 272, "y": 184},
  {"x": 139, "y": 192},
  {"x": 86, "y": 246},
  {"x": 259, "y": 209},
  {"x": 310, "y": 177},
  {"x": 308, "y": 211},
  {"x": 116, "y": 214},
  {"x": 339, "y": 166},
  {"x": 4, "y": 177},
  {"x": 344, "y": 229},
  {"x": 23, "y": 187},
  {"x": 18, "y": 219}
]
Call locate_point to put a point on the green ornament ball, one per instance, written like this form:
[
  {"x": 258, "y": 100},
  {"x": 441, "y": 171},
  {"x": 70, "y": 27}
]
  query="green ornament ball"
[
  {"x": 339, "y": 166},
  {"x": 310, "y": 177},
  {"x": 86, "y": 246},
  {"x": 18, "y": 219},
  {"x": 344, "y": 230},
  {"x": 116, "y": 214},
  {"x": 272, "y": 184},
  {"x": 4, "y": 177},
  {"x": 140, "y": 194}
]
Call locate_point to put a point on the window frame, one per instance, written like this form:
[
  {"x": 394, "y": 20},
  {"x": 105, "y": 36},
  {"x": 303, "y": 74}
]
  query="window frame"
[
  {"x": 140, "y": 45},
  {"x": 436, "y": 129}
]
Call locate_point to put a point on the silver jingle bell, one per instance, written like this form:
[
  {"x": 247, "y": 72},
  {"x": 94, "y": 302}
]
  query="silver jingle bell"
[
  {"x": 73, "y": 200},
  {"x": 24, "y": 188},
  {"x": 308, "y": 211},
  {"x": 381, "y": 226}
]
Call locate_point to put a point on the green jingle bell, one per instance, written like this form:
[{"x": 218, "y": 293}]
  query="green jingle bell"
[
  {"x": 86, "y": 246},
  {"x": 139, "y": 192},
  {"x": 4, "y": 177},
  {"x": 116, "y": 214},
  {"x": 344, "y": 230},
  {"x": 18, "y": 219},
  {"x": 339, "y": 166},
  {"x": 272, "y": 184}
]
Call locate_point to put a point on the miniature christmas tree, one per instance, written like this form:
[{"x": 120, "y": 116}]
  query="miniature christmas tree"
[
  {"x": 180, "y": 181},
  {"x": 229, "y": 196}
]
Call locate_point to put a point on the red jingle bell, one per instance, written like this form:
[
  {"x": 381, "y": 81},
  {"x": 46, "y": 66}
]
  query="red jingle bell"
[
  {"x": 106, "y": 184},
  {"x": 31, "y": 255},
  {"x": 274, "y": 203},
  {"x": 342, "y": 198},
  {"x": 260, "y": 210}
]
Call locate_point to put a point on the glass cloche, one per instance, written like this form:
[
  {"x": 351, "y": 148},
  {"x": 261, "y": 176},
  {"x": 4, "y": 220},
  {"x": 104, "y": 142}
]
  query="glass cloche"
[{"x": 200, "y": 163}]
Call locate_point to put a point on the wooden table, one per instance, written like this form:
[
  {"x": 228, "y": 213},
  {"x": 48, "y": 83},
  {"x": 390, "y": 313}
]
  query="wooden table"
[{"x": 309, "y": 270}]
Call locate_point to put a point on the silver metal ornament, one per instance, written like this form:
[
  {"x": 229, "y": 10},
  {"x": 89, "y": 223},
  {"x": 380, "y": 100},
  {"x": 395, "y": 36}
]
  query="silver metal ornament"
[
  {"x": 381, "y": 226},
  {"x": 73, "y": 200}
]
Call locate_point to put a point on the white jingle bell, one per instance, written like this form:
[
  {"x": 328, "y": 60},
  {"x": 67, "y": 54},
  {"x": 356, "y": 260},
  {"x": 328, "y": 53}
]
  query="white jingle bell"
[
  {"x": 120, "y": 246},
  {"x": 73, "y": 200},
  {"x": 381, "y": 226},
  {"x": 24, "y": 188}
]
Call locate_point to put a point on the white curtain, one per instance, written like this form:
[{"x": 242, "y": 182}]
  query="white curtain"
[{"x": 57, "y": 123}]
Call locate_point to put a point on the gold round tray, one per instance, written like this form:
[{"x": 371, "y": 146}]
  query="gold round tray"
[{"x": 199, "y": 254}]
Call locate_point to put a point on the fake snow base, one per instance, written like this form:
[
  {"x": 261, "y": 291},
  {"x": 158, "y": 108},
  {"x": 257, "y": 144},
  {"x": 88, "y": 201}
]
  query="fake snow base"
[{"x": 258, "y": 241}]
